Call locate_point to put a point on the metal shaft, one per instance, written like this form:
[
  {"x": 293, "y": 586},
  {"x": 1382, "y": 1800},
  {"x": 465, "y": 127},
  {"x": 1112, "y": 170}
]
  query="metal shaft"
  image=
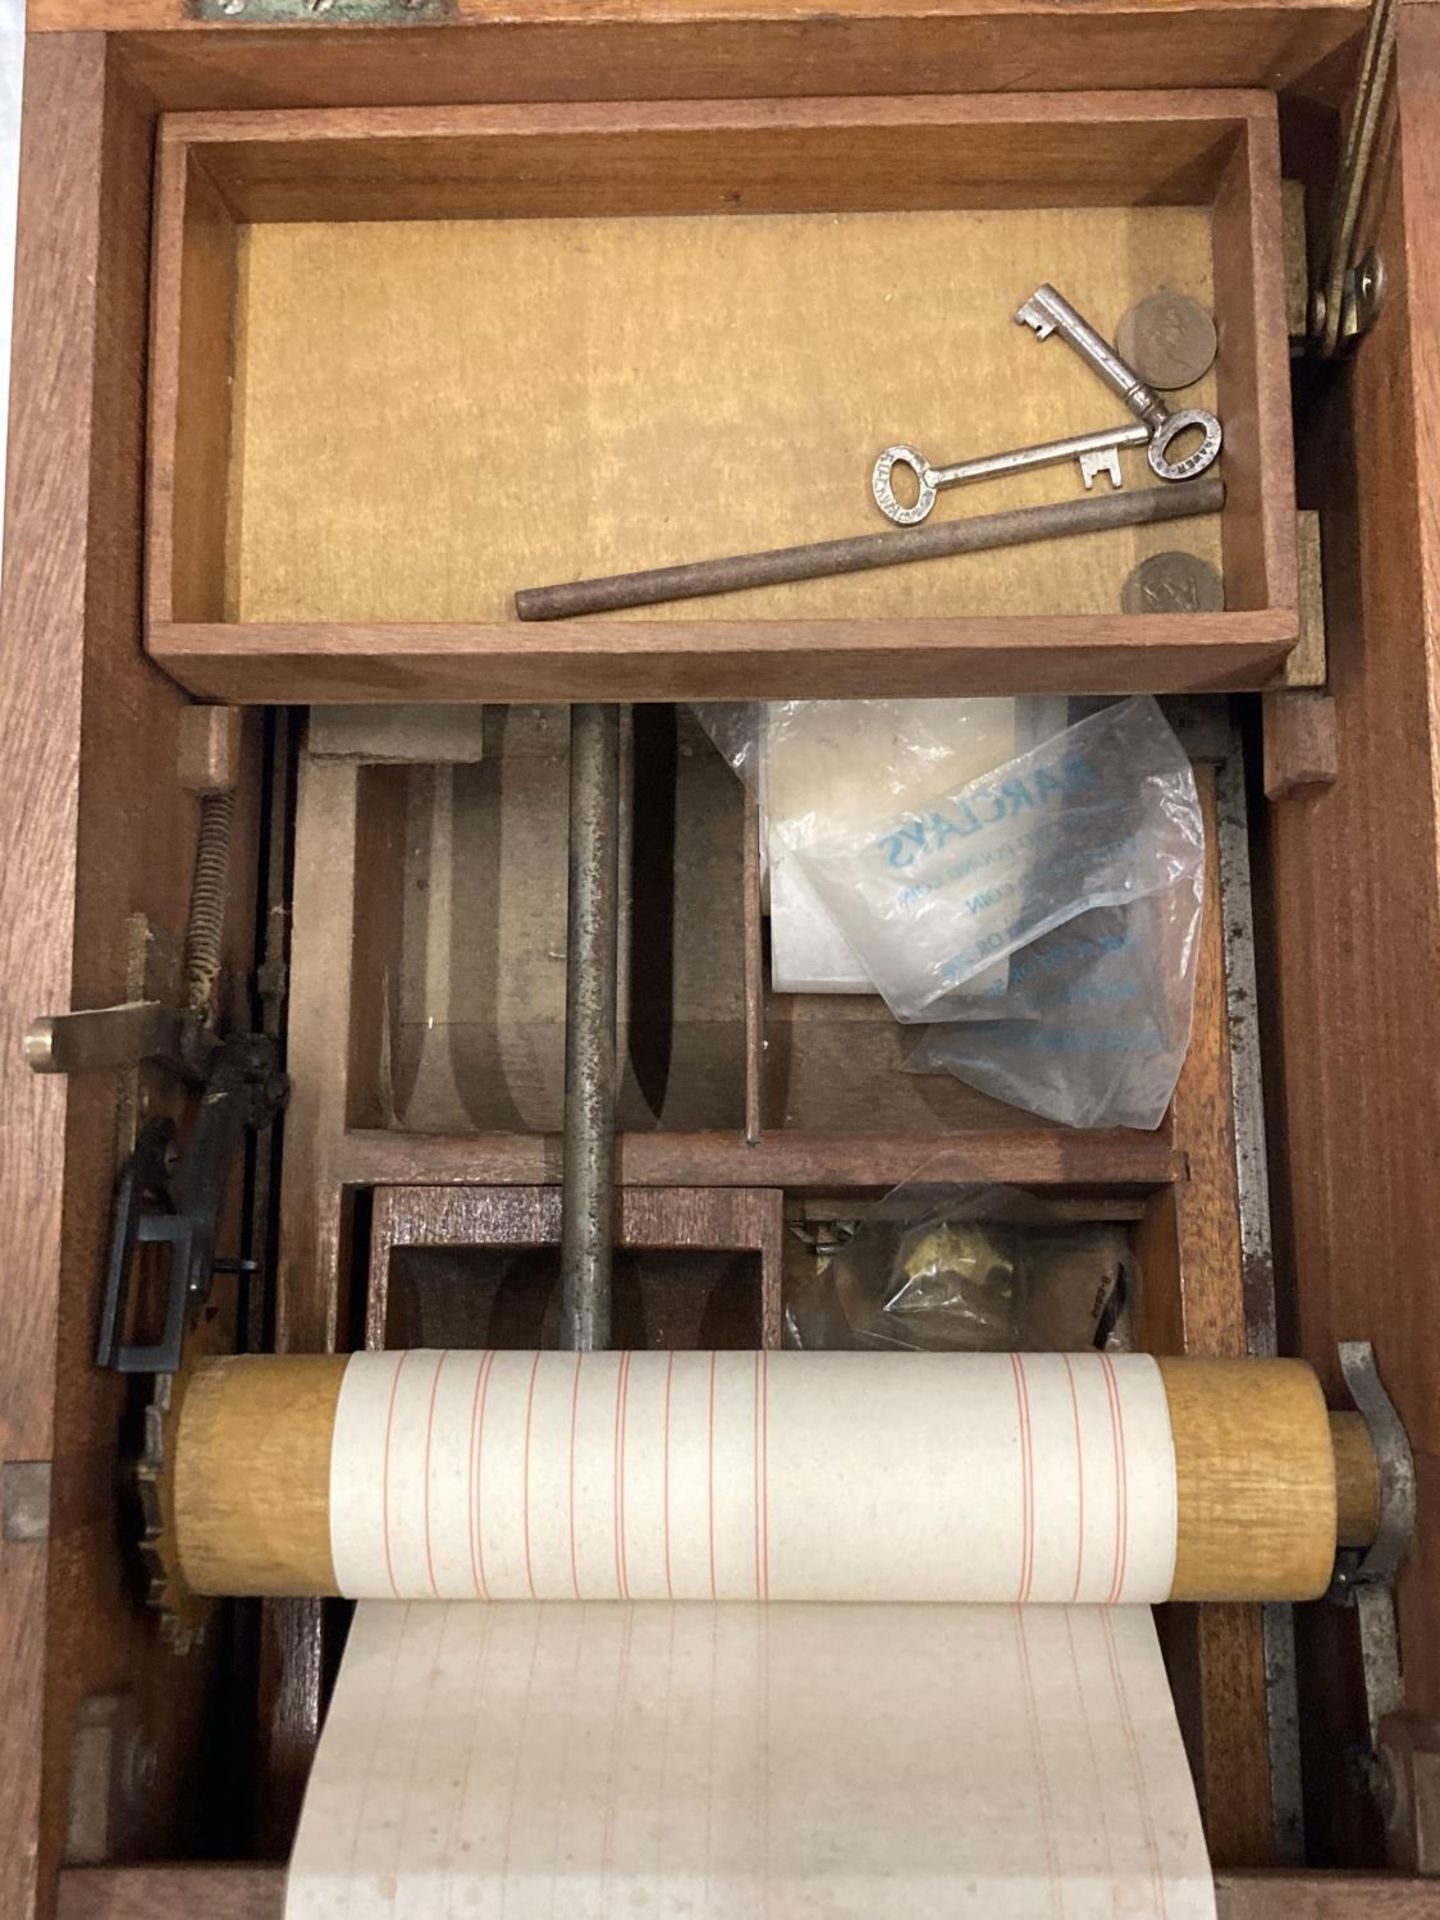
[
  {"x": 1093, "y": 347},
  {"x": 867, "y": 550},
  {"x": 588, "y": 1205},
  {"x": 1048, "y": 453}
]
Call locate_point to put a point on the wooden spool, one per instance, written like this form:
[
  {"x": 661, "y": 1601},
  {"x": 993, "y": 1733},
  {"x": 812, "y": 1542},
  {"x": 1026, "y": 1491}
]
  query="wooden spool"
[{"x": 1268, "y": 1481}]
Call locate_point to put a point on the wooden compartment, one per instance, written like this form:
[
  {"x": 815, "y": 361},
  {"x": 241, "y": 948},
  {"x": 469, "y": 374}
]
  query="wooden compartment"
[
  {"x": 406, "y": 363},
  {"x": 480, "y": 1267},
  {"x": 460, "y": 933},
  {"x": 101, "y": 830}
]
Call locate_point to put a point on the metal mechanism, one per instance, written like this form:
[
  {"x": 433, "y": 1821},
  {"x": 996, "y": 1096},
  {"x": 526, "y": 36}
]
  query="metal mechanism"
[
  {"x": 1381, "y": 1561},
  {"x": 588, "y": 1205},
  {"x": 1407, "y": 1788},
  {"x": 112, "y": 1775},
  {"x": 176, "y": 1031},
  {"x": 1400, "y": 1762},
  {"x": 168, "y": 1200},
  {"x": 330, "y": 13},
  {"x": 1048, "y": 311},
  {"x": 1347, "y": 295},
  {"x": 1096, "y": 453},
  {"x": 105, "y": 1037}
]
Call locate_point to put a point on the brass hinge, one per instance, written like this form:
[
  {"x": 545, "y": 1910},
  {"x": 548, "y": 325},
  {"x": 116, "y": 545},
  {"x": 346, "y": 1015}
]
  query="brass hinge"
[
  {"x": 330, "y": 13},
  {"x": 1346, "y": 293}
]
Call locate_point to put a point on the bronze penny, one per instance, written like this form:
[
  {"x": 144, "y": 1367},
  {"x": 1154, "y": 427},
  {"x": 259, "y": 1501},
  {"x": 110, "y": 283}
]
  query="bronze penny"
[
  {"x": 1168, "y": 339},
  {"x": 1173, "y": 583}
]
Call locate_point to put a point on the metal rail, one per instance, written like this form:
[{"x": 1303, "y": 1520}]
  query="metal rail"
[{"x": 588, "y": 1204}]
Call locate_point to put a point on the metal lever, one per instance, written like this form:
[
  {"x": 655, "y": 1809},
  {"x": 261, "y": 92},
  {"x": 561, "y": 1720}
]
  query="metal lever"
[
  {"x": 100, "y": 1037},
  {"x": 166, "y": 1199}
]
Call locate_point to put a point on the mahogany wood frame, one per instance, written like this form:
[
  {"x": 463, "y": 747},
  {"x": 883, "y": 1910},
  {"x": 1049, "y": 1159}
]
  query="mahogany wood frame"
[{"x": 90, "y": 810}]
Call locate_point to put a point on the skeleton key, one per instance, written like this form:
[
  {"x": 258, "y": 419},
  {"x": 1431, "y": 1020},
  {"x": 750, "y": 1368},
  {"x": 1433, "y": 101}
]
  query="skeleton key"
[
  {"x": 1096, "y": 453},
  {"x": 1047, "y": 312}
]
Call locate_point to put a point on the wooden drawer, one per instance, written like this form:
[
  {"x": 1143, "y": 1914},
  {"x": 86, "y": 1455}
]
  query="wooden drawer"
[
  {"x": 331, "y": 336},
  {"x": 534, "y": 329}
]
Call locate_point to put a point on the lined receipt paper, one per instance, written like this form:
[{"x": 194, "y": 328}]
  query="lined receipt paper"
[
  {"x": 589, "y": 1761},
  {"x": 753, "y": 1476}
]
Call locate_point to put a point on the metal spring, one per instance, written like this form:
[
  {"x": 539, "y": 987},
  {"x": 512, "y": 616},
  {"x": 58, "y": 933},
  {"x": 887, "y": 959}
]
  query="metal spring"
[{"x": 205, "y": 929}]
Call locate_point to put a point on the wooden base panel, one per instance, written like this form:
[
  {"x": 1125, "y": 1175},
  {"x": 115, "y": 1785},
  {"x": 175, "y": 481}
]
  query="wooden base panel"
[{"x": 258, "y": 1893}]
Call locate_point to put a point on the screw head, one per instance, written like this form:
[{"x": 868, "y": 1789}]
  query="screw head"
[
  {"x": 232, "y": 6},
  {"x": 1369, "y": 288},
  {"x": 142, "y": 1766}
]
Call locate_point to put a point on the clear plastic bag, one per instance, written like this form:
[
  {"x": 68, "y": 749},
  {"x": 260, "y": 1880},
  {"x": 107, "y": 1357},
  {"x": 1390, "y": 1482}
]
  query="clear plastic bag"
[
  {"x": 1093, "y": 1026},
  {"x": 1047, "y": 905},
  {"x": 938, "y": 1268}
]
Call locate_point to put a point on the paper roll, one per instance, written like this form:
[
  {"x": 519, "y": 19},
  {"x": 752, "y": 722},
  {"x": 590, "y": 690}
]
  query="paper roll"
[
  {"x": 750, "y": 1763},
  {"x": 839, "y": 1476}
]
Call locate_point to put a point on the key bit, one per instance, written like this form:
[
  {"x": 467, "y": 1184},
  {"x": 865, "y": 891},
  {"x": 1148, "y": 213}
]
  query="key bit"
[
  {"x": 1092, "y": 465},
  {"x": 1033, "y": 315}
]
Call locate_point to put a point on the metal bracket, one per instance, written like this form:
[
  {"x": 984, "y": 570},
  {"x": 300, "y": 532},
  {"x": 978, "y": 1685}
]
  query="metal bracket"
[
  {"x": 1396, "y": 1530},
  {"x": 330, "y": 13},
  {"x": 1365, "y": 1581},
  {"x": 101, "y": 1037},
  {"x": 113, "y": 1765},
  {"x": 164, "y": 1199}
]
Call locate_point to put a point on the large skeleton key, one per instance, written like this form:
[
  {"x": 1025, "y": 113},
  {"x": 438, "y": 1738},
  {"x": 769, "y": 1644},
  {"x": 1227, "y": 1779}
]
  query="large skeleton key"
[
  {"x": 1096, "y": 453},
  {"x": 1047, "y": 312}
]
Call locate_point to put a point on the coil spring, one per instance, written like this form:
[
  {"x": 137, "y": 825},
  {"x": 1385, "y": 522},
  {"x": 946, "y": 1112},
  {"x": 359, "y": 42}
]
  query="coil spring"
[{"x": 205, "y": 929}]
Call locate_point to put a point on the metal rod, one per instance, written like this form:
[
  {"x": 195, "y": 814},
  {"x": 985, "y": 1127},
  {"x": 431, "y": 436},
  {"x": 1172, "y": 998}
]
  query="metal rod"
[
  {"x": 588, "y": 1203},
  {"x": 1178, "y": 501}
]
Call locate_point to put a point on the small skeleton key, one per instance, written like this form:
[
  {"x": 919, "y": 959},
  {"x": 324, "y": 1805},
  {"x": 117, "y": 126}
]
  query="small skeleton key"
[
  {"x": 1047, "y": 312},
  {"x": 1096, "y": 453}
]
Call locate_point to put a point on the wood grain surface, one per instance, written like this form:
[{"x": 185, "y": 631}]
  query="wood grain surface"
[
  {"x": 1301, "y": 741},
  {"x": 822, "y": 1162},
  {"x": 258, "y": 1893},
  {"x": 1003, "y": 151},
  {"x": 96, "y": 829},
  {"x": 1356, "y": 885},
  {"x": 1255, "y": 1479},
  {"x": 720, "y": 660},
  {"x": 246, "y": 1427},
  {"x": 639, "y": 49}
]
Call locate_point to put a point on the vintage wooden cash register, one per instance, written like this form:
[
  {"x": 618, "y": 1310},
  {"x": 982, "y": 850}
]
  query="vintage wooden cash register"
[{"x": 340, "y": 321}]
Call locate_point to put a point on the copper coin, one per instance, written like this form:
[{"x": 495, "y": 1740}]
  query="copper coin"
[
  {"x": 1173, "y": 583},
  {"x": 1168, "y": 339}
]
